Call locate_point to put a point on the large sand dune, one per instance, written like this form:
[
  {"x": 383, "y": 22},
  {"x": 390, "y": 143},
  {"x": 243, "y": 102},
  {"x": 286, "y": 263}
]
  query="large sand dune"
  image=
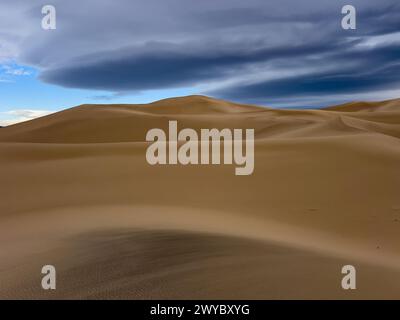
[{"x": 77, "y": 192}]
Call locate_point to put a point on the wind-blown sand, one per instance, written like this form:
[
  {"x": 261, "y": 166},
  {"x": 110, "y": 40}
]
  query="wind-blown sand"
[{"x": 77, "y": 192}]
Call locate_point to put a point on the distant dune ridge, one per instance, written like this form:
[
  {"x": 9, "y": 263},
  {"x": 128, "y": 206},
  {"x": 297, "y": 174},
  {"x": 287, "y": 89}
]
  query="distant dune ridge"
[{"x": 77, "y": 193}]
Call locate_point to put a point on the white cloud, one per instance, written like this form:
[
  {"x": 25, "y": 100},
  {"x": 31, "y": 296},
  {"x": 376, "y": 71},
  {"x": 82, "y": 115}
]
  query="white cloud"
[
  {"x": 20, "y": 115},
  {"x": 19, "y": 71},
  {"x": 379, "y": 40}
]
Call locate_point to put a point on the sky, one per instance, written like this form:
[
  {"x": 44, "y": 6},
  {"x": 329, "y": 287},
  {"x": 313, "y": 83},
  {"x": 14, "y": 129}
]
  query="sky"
[{"x": 278, "y": 53}]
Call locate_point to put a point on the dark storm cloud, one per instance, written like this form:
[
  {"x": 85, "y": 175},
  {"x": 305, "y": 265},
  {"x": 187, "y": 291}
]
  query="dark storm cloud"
[
  {"x": 254, "y": 50},
  {"x": 316, "y": 84},
  {"x": 161, "y": 68},
  {"x": 371, "y": 70}
]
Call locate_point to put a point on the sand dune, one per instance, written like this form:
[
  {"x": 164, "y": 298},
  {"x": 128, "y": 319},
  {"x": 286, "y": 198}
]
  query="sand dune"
[
  {"x": 388, "y": 105},
  {"x": 78, "y": 193}
]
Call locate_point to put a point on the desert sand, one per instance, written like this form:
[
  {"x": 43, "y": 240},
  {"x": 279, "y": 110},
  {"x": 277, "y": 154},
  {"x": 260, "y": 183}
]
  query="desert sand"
[{"x": 77, "y": 193}]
